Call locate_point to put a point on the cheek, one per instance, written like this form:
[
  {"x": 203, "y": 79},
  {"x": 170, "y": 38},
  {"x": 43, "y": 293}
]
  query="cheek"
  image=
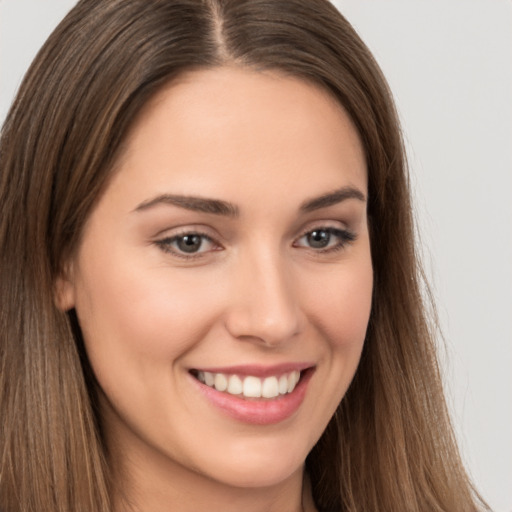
[
  {"x": 341, "y": 305},
  {"x": 140, "y": 319},
  {"x": 338, "y": 307}
]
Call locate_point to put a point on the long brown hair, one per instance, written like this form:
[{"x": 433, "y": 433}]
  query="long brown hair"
[{"x": 390, "y": 445}]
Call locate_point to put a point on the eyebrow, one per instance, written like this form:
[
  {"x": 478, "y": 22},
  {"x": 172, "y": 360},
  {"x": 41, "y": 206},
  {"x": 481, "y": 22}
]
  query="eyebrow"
[
  {"x": 332, "y": 198},
  {"x": 197, "y": 204},
  {"x": 224, "y": 208}
]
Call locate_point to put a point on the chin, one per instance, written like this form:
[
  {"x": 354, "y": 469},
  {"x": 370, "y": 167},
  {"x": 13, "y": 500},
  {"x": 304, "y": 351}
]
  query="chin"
[
  {"x": 259, "y": 462},
  {"x": 272, "y": 473}
]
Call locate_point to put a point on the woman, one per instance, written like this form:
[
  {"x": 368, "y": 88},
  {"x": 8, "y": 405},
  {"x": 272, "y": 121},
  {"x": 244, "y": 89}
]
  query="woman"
[{"x": 210, "y": 292}]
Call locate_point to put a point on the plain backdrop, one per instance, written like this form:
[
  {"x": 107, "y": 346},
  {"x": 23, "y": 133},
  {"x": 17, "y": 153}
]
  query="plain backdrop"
[{"x": 449, "y": 65}]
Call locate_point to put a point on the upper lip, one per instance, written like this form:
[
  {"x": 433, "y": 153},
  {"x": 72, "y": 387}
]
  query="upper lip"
[{"x": 256, "y": 370}]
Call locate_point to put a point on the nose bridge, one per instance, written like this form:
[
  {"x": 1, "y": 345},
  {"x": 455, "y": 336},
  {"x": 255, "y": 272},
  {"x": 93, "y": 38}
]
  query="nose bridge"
[{"x": 264, "y": 306}]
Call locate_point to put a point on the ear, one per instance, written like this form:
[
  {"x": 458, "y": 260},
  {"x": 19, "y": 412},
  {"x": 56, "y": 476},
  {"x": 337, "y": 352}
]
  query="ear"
[{"x": 65, "y": 289}]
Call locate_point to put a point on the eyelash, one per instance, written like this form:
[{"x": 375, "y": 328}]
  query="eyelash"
[
  {"x": 166, "y": 244},
  {"x": 345, "y": 237}
]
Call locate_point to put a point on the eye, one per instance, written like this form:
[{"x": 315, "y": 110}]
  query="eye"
[
  {"x": 325, "y": 239},
  {"x": 187, "y": 245}
]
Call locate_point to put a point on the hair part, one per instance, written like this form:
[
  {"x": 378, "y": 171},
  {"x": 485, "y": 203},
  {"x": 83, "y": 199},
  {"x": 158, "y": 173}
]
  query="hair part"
[{"x": 390, "y": 445}]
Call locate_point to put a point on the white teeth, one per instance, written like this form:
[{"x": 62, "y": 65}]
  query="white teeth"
[
  {"x": 283, "y": 384},
  {"x": 209, "y": 378},
  {"x": 234, "y": 385},
  {"x": 221, "y": 382},
  {"x": 250, "y": 386},
  {"x": 269, "y": 388},
  {"x": 292, "y": 380}
]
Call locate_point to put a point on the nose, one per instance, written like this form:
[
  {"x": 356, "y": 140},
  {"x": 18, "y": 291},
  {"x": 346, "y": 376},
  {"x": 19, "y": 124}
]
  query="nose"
[{"x": 263, "y": 306}]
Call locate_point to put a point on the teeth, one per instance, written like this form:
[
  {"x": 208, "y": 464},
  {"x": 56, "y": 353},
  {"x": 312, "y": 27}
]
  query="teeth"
[
  {"x": 270, "y": 388},
  {"x": 234, "y": 385},
  {"x": 251, "y": 387},
  {"x": 220, "y": 382},
  {"x": 283, "y": 384},
  {"x": 292, "y": 380},
  {"x": 209, "y": 379}
]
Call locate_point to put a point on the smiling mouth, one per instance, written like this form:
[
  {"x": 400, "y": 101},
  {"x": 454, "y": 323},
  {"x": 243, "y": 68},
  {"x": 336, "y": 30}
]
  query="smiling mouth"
[{"x": 250, "y": 386}]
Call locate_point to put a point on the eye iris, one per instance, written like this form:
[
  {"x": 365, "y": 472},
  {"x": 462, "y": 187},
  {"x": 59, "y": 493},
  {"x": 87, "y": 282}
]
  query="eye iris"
[
  {"x": 319, "y": 239},
  {"x": 189, "y": 243}
]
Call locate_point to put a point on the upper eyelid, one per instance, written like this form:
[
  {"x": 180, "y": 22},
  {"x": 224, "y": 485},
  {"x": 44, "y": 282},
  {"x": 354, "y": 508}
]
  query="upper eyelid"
[
  {"x": 218, "y": 239},
  {"x": 322, "y": 227},
  {"x": 164, "y": 244},
  {"x": 323, "y": 224},
  {"x": 176, "y": 232},
  {"x": 176, "y": 236},
  {"x": 186, "y": 232},
  {"x": 336, "y": 231}
]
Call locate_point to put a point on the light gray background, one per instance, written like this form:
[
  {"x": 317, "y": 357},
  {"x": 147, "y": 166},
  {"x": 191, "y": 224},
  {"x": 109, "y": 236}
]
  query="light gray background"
[{"x": 450, "y": 66}]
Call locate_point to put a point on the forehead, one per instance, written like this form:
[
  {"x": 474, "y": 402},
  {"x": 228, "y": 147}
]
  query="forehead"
[{"x": 216, "y": 127}]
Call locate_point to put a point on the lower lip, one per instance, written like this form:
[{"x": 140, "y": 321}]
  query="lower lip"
[{"x": 258, "y": 412}]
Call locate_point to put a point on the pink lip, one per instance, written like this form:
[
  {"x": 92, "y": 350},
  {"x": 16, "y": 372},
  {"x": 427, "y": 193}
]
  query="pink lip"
[{"x": 254, "y": 411}]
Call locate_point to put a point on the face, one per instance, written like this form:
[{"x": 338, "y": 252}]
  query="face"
[{"x": 223, "y": 281}]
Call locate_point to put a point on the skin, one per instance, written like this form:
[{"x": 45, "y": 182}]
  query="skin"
[{"x": 257, "y": 293}]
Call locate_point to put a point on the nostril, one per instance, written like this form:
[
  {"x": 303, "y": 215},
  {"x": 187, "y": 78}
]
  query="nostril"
[
  {"x": 267, "y": 329},
  {"x": 263, "y": 307}
]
